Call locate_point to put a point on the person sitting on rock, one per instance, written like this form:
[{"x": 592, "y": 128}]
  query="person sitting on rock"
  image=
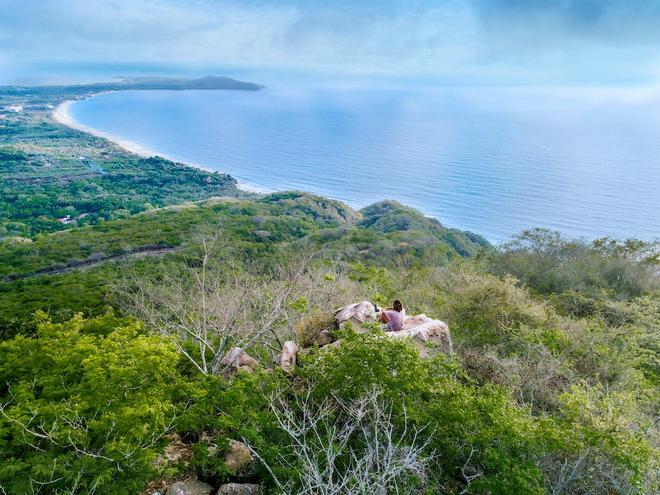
[{"x": 394, "y": 316}]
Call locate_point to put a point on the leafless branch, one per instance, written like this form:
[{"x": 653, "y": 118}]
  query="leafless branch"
[
  {"x": 216, "y": 301},
  {"x": 349, "y": 448}
]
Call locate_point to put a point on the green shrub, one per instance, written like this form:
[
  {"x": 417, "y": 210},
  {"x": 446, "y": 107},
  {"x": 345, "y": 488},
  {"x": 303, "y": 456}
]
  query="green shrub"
[
  {"x": 308, "y": 328},
  {"x": 84, "y": 406},
  {"x": 548, "y": 264},
  {"x": 478, "y": 435},
  {"x": 597, "y": 444},
  {"x": 483, "y": 309}
]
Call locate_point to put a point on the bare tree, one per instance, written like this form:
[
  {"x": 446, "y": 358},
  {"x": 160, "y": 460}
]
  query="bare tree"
[
  {"x": 353, "y": 448},
  {"x": 590, "y": 472},
  {"x": 215, "y": 301},
  {"x": 190, "y": 303}
]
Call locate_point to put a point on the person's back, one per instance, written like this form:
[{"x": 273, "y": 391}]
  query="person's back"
[{"x": 394, "y": 317}]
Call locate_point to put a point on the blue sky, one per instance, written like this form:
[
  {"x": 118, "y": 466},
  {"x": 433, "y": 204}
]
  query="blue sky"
[{"x": 468, "y": 41}]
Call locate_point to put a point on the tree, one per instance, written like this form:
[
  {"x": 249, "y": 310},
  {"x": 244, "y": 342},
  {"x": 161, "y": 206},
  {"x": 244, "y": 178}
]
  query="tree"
[
  {"x": 339, "y": 448},
  {"x": 84, "y": 406},
  {"x": 217, "y": 300}
]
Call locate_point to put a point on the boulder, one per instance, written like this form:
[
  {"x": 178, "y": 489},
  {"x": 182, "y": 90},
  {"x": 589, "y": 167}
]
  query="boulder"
[
  {"x": 362, "y": 312},
  {"x": 239, "y": 459},
  {"x": 323, "y": 338},
  {"x": 238, "y": 359},
  {"x": 176, "y": 450},
  {"x": 191, "y": 487},
  {"x": 240, "y": 489},
  {"x": 287, "y": 360},
  {"x": 426, "y": 332}
]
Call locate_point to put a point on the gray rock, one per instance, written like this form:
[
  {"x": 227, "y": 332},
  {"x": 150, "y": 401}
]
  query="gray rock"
[
  {"x": 323, "y": 338},
  {"x": 362, "y": 312},
  {"x": 426, "y": 333},
  {"x": 238, "y": 359},
  {"x": 240, "y": 489},
  {"x": 289, "y": 355},
  {"x": 191, "y": 487},
  {"x": 239, "y": 459}
]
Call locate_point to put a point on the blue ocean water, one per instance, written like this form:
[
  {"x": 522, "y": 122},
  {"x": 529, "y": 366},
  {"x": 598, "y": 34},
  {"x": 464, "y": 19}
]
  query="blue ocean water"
[{"x": 584, "y": 161}]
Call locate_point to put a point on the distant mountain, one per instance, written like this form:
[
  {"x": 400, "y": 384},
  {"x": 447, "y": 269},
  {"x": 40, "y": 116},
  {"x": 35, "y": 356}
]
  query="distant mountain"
[
  {"x": 137, "y": 83},
  {"x": 206, "y": 82}
]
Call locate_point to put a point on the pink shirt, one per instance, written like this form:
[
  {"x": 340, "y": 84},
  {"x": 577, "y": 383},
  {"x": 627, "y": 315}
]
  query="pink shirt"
[{"x": 395, "y": 319}]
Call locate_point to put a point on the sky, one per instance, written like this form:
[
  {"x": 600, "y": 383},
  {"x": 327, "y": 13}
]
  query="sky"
[{"x": 460, "y": 41}]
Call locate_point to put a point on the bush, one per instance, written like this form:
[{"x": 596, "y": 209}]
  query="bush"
[
  {"x": 237, "y": 409},
  {"x": 362, "y": 362},
  {"x": 478, "y": 436},
  {"x": 483, "y": 309},
  {"x": 549, "y": 264},
  {"x": 84, "y": 406},
  {"x": 597, "y": 444},
  {"x": 308, "y": 328}
]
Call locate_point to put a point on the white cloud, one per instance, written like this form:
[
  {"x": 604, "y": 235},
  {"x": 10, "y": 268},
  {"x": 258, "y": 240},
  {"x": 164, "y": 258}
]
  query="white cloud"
[{"x": 468, "y": 39}]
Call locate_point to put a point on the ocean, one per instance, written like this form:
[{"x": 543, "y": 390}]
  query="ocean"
[{"x": 493, "y": 160}]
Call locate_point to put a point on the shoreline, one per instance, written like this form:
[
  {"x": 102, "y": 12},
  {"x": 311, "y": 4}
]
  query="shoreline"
[{"x": 62, "y": 115}]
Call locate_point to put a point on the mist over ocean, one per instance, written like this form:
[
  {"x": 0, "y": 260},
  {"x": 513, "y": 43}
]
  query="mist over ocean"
[{"x": 493, "y": 160}]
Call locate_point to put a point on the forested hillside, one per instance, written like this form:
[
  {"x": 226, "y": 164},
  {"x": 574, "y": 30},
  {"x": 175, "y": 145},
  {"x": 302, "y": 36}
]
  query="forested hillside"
[
  {"x": 162, "y": 331},
  {"x": 72, "y": 270},
  {"x": 114, "y": 378}
]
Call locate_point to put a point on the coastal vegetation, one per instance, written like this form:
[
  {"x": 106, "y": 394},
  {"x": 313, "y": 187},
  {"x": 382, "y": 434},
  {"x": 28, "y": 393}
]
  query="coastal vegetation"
[
  {"x": 54, "y": 177},
  {"x": 115, "y": 327},
  {"x": 72, "y": 270},
  {"x": 551, "y": 390}
]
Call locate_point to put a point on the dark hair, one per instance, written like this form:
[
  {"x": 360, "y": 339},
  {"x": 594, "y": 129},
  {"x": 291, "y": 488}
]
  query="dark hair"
[{"x": 397, "y": 306}]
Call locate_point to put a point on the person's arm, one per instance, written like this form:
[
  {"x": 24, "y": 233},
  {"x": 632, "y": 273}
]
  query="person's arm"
[{"x": 382, "y": 317}]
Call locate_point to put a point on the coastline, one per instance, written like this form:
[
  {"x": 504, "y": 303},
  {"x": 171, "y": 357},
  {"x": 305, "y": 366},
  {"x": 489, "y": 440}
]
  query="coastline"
[{"x": 62, "y": 115}]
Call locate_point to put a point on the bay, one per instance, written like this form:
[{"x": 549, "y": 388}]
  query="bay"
[{"x": 493, "y": 160}]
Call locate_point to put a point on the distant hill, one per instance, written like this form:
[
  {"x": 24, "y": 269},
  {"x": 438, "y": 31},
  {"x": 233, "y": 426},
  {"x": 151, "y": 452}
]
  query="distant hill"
[
  {"x": 206, "y": 82},
  {"x": 137, "y": 83},
  {"x": 74, "y": 268},
  {"x": 392, "y": 217}
]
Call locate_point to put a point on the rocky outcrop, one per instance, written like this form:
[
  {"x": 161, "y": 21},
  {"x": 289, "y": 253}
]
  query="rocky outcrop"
[
  {"x": 358, "y": 313},
  {"x": 239, "y": 459},
  {"x": 287, "y": 360},
  {"x": 240, "y": 489},
  {"x": 427, "y": 334},
  {"x": 238, "y": 359},
  {"x": 191, "y": 487}
]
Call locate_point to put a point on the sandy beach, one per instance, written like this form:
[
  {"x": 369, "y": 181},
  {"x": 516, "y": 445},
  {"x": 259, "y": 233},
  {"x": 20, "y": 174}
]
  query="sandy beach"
[{"x": 62, "y": 115}]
